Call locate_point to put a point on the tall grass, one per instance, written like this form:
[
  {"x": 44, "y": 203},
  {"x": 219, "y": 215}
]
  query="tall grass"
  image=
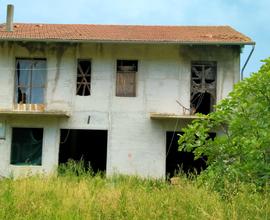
[{"x": 79, "y": 194}]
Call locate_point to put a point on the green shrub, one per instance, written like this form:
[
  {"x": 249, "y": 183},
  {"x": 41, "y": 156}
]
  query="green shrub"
[{"x": 241, "y": 154}]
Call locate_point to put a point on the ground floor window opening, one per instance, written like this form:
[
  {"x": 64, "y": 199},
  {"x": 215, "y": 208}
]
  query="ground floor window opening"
[
  {"x": 26, "y": 146},
  {"x": 180, "y": 161},
  {"x": 89, "y": 146}
]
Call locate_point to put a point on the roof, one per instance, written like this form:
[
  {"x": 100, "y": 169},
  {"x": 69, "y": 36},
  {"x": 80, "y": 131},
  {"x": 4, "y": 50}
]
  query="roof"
[{"x": 124, "y": 33}]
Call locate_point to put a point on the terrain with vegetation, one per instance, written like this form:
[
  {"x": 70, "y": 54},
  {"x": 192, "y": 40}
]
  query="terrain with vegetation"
[{"x": 77, "y": 194}]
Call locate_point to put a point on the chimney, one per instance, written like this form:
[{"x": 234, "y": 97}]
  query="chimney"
[{"x": 10, "y": 14}]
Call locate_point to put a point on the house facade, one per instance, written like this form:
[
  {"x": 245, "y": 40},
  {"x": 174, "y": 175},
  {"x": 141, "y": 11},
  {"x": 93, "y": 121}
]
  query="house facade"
[{"x": 110, "y": 95}]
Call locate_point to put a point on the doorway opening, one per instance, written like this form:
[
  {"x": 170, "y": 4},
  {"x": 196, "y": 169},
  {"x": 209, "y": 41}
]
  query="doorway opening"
[
  {"x": 202, "y": 103},
  {"x": 180, "y": 160},
  {"x": 89, "y": 146}
]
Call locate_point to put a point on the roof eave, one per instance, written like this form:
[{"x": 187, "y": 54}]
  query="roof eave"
[{"x": 128, "y": 41}]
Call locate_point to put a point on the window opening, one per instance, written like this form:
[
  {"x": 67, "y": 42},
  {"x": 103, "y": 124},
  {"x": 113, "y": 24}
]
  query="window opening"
[
  {"x": 203, "y": 87},
  {"x": 126, "y": 78},
  {"x": 2, "y": 130},
  {"x": 26, "y": 146},
  {"x": 30, "y": 81},
  {"x": 83, "y": 78}
]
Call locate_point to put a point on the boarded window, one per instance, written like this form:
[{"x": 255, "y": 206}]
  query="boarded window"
[
  {"x": 26, "y": 147},
  {"x": 83, "y": 78},
  {"x": 30, "y": 81},
  {"x": 126, "y": 78},
  {"x": 203, "y": 86}
]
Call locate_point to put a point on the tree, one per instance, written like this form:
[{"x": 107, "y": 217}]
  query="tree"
[{"x": 241, "y": 152}]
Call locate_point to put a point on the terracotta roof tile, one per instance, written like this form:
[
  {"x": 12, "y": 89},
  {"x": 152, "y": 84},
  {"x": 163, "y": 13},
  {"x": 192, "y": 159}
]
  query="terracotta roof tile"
[{"x": 124, "y": 33}]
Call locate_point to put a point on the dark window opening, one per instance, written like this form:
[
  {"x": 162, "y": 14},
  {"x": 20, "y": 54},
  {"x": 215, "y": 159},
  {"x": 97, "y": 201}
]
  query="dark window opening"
[
  {"x": 202, "y": 103},
  {"x": 83, "y": 78},
  {"x": 30, "y": 81},
  {"x": 127, "y": 65},
  {"x": 126, "y": 78},
  {"x": 26, "y": 146},
  {"x": 203, "y": 87},
  {"x": 180, "y": 160},
  {"x": 90, "y": 146}
]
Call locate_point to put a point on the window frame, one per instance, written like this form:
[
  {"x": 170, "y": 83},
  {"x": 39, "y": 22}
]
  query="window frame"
[
  {"x": 213, "y": 97},
  {"x": 42, "y": 146},
  {"x": 135, "y": 72},
  {"x": 15, "y": 99},
  {"x": 90, "y": 82}
]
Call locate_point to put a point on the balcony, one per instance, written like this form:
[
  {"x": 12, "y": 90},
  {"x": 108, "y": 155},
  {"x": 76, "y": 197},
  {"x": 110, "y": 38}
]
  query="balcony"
[
  {"x": 33, "y": 110},
  {"x": 156, "y": 115}
]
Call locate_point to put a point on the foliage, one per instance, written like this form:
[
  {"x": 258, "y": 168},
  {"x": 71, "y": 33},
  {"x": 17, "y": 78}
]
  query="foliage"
[
  {"x": 74, "y": 168},
  {"x": 84, "y": 196},
  {"x": 241, "y": 151}
]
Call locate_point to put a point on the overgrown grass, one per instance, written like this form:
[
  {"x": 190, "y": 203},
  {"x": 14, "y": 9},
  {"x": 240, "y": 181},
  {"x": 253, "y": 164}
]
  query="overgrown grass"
[{"x": 78, "y": 194}]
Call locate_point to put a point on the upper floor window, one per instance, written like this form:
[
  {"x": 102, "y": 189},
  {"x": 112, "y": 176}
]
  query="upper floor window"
[
  {"x": 83, "y": 78},
  {"x": 30, "y": 81},
  {"x": 203, "y": 86},
  {"x": 126, "y": 78}
]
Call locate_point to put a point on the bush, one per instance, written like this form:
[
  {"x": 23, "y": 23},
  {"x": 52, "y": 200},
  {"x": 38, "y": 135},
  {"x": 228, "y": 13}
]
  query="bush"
[{"x": 241, "y": 153}]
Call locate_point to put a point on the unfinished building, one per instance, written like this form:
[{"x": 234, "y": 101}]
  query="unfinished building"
[{"x": 112, "y": 95}]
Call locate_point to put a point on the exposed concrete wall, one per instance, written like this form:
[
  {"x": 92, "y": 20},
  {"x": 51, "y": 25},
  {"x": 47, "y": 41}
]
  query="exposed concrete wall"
[{"x": 136, "y": 144}]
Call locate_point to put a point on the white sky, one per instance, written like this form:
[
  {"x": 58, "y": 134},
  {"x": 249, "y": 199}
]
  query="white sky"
[{"x": 251, "y": 17}]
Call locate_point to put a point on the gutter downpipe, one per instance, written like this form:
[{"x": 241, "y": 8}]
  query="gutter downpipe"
[{"x": 243, "y": 68}]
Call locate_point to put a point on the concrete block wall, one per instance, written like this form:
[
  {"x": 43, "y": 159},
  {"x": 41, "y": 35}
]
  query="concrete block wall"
[{"x": 136, "y": 144}]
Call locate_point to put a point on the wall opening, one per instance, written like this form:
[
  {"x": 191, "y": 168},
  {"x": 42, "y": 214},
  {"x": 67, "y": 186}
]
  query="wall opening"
[
  {"x": 2, "y": 130},
  {"x": 26, "y": 146},
  {"x": 90, "y": 146},
  {"x": 30, "y": 81},
  {"x": 83, "y": 78},
  {"x": 202, "y": 101},
  {"x": 203, "y": 87},
  {"x": 180, "y": 160},
  {"x": 126, "y": 78}
]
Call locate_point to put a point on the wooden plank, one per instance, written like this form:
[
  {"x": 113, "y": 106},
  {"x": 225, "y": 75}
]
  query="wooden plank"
[{"x": 126, "y": 84}]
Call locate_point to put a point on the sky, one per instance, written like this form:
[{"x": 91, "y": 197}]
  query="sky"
[{"x": 251, "y": 17}]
